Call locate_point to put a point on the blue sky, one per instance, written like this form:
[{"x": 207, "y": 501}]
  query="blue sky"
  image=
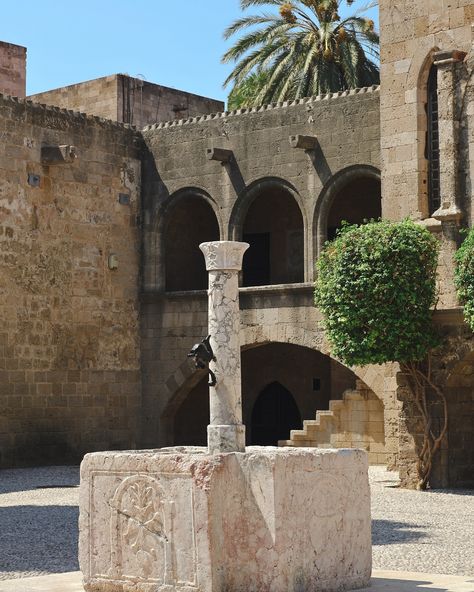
[{"x": 177, "y": 44}]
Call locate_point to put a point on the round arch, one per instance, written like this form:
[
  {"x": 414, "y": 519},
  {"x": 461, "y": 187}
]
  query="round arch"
[
  {"x": 187, "y": 218},
  {"x": 185, "y": 378},
  {"x": 245, "y": 199},
  {"x": 329, "y": 193},
  {"x": 270, "y": 215}
]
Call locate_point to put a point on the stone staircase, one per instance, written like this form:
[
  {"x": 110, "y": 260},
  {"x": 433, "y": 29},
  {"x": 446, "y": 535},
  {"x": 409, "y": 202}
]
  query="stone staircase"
[{"x": 355, "y": 421}]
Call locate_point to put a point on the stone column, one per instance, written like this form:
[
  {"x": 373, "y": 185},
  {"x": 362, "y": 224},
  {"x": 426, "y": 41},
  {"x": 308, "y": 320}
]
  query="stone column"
[
  {"x": 226, "y": 433},
  {"x": 449, "y": 213},
  {"x": 447, "y": 63}
]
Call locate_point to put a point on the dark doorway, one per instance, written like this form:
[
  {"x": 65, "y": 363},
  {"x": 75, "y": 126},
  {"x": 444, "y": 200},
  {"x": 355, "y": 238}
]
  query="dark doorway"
[
  {"x": 257, "y": 259},
  {"x": 273, "y": 226},
  {"x": 274, "y": 414}
]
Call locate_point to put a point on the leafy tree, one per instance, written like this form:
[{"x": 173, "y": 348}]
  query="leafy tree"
[
  {"x": 464, "y": 276},
  {"x": 304, "y": 49},
  {"x": 376, "y": 284}
]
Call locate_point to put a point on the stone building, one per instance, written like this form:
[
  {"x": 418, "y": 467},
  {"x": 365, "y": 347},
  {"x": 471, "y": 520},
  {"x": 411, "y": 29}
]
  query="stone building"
[{"x": 104, "y": 287}]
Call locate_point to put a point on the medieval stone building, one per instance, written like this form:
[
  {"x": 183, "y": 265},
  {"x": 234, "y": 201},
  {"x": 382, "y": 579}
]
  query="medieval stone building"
[{"x": 104, "y": 288}]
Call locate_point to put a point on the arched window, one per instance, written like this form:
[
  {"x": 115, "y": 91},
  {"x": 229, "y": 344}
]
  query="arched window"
[
  {"x": 273, "y": 227},
  {"x": 357, "y": 201},
  {"x": 190, "y": 222},
  {"x": 432, "y": 143}
]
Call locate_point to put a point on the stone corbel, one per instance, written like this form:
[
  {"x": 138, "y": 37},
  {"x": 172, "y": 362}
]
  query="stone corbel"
[
  {"x": 446, "y": 63},
  {"x": 54, "y": 155},
  {"x": 303, "y": 142},
  {"x": 220, "y": 154}
]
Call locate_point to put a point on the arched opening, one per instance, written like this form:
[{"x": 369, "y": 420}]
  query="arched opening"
[
  {"x": 189, "y": 223},
  {"x": 274, "y": 415},
  {"x": 360, "y": 199},
  {"x": 432, "y": 142},
  {"x": 427, "y": 135},
  {"x": 273, "y": 226},
  {"x": 284, "y": 384}
]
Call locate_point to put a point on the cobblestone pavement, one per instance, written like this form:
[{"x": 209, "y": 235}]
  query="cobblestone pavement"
[
  {"x": 421, "y": 531},
  {"x": 430, "y": 532}
]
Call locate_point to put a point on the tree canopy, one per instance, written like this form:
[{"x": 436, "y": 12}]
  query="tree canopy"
[
  {"x": 464, "y": 277},
  {"x": 375, "y": 286},
  {"x": 304, "y": 48}
]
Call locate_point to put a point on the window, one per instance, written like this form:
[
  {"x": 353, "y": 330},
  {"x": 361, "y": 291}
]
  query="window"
[{"x": 432, "y": 144}]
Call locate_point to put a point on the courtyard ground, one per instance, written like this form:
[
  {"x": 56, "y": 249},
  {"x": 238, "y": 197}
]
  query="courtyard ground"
[{"x": 430, "y": 532}]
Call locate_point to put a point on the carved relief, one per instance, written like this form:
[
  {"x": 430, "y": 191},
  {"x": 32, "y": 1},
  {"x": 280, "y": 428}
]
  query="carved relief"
[
  {"x": 141, "y": 547},
  {"x": 224, "y": 254}
]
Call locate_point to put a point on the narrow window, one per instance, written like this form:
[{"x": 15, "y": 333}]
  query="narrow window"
[{"x": 432, "y": 145}]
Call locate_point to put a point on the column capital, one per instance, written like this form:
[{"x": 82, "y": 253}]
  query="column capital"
[
  {"x": 448, "y": 57},
  {"x": 224, "y": 255}
]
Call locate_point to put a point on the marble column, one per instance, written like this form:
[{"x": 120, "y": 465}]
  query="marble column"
[{"x": 225, "y": 433}]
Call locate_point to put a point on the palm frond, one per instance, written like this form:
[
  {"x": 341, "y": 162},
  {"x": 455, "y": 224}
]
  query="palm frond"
[{"x": 302, "y": 48}]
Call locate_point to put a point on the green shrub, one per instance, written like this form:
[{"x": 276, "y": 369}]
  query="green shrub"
[
  {"x": 375, "y": 286},
  {"x": 464, "y": 276}
]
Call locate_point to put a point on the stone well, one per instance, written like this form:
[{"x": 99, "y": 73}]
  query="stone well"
[
  {"x": 267, "y": 520},
  {"x": 225, "y": 518}
]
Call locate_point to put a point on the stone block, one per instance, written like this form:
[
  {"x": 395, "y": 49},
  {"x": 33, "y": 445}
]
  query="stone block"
[{"x": 268, "y": 519}]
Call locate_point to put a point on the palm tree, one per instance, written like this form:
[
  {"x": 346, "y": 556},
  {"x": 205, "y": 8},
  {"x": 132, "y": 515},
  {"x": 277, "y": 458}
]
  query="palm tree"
[
  {"x": 305, "y": 49},
  {"x": 245, "y": 94}
]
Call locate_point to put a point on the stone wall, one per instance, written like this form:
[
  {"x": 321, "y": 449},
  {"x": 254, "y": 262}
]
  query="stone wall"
[
  {"x": 12, "y": 69},
  {"x": 355, "y": 421},
  {"x": 129, "y": 100},
  {"x": 347, "y": 129},
  {"x": 415, "y": 39},
  {"x": 177, "y": 168},
  {"x": 69, "y": 355}
]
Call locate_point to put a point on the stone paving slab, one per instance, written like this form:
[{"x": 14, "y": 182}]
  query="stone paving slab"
[{"x": 382, "y": 581}]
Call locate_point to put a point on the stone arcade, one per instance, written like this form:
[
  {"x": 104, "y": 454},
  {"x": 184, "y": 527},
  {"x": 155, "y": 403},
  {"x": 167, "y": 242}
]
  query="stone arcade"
[{"x": 225, "y": 518}]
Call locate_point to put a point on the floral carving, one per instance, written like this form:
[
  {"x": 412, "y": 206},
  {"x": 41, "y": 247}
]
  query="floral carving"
[
  {"x": 145, "y": 522},
  {"x": 140, "y": 526}
]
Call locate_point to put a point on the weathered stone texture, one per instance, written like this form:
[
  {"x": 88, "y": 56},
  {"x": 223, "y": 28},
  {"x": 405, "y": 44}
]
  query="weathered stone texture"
[
  {"x": 129, "y": 100},
  {"x": 355, "y": 421},
  {"x": 69, "y": 356},
  {"x": 12, "y": 69},
  {"x": 347, "y": 131},
  {"x": 263, "y": 520},
  {"x": 412, "y": 35}
]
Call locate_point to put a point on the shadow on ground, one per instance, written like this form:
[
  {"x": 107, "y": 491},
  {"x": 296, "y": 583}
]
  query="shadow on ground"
[
  {"x": 12, "y": 480},
  {"x": 38, "y": 539},
  {"x": 387, "y": 532}
]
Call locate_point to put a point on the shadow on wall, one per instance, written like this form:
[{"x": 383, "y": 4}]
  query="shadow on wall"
[
  {"x": 387, "y": 532},
  {"x": 40, "y": 539}
]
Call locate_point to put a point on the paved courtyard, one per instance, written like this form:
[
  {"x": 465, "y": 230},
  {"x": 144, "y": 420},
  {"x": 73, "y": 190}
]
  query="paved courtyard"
[{"x": 429, "y": 532}]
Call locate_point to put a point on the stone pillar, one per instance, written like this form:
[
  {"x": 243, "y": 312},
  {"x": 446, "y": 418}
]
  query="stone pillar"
[
  {"x": 447, "y": 63},
  {"x": 226, "y": 433},
  {"x": 450, "y": 212}
]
